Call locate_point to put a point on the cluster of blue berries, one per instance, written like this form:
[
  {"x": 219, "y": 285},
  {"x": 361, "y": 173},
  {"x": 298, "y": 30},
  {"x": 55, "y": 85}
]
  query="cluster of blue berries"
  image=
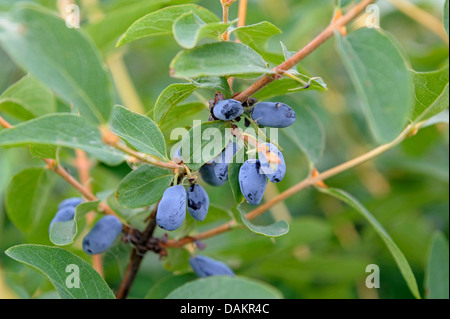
[
  {"x": 270, "y": 164},
  {"x": 172, "y": 207},
  {"x": 101, "y": 237}
]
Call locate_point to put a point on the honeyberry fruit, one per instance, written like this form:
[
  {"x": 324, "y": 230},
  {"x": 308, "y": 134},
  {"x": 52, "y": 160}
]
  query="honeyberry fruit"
[
  {"x": 197, "y": 202},
  {"x": 227, "y": 110},
  {"x": 273, "y": 170},
  {"x": 102, "y": 235},
  {"x": 64, "y": 214},
  {"x": 252, "y": 183},
  {"x": 273, "y": 114},
  {"x": 205, "y": 266},
  {"x": 70, "y": 202},
  {"x": 208, "y": 174},
  {"x": 223, "y": 160},
  {"x": 172, "y": 208}
]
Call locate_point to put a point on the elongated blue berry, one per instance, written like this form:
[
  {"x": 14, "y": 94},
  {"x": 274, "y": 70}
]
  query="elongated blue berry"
[
  {"x": 70, "y": 202},
  {"x": 273, "y": 170},
  {"x": 227, "y": 110},
  {"x": 205, "y": 266},
  {"x": 197, "y": 202},
  {"x": 209, "y": 175},
  {"x": 273, "y": 114},
  {"x": 64, "y": 214},
  {"x": 102, "y": 235},
  {"x": 224, "y": 159},
  {"x": 172, "y": 208},
  {"x": 252, "y": 183}
]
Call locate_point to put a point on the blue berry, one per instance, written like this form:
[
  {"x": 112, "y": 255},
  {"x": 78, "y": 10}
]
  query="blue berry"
[
  {"x": 70, "y": 202},
  {"x": 227, "y": 110},
  {"x": 172, "y": 208},
  {"x": 198, "y": 202},
  {"x": 102, "y": 235},
  {"x": 273, "y": 114},
  {"x": 208, "y": 174},
  {"x": 252, "y": 183},
  {"x": 224, "y": 159},
  {"x": 204, "y": 266},
  {"x": 64, "y": 214},
  {"x": 274, "y": 171}
]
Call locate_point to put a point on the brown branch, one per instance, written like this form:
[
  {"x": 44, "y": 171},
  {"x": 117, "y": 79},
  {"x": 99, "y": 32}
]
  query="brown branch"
[
  {"x": 307, "y": 50},
  {"x": 136, "y": 258},
  {"x": 310, "y": 181}
]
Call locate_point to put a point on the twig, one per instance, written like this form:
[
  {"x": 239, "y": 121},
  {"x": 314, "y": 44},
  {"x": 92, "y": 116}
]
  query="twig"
[
  {"x": 148, "y": 158},
  {"x": 310, "y": 181},
  {"x": 307, "y": 50},
  {"x": 242, "y": 13},
  {"x": 136, "y": 258}
]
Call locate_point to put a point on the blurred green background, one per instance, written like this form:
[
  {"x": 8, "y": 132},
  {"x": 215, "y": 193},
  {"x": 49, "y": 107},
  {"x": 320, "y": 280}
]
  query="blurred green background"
[{"x": 329, "y": 245}]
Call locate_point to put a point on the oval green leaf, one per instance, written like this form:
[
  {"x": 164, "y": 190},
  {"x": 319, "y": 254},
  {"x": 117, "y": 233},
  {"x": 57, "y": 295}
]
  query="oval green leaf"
[
  {"x": 218, "y": 59},
  {"x": 62, "y": 58},
  {"x": 65, "y": 130},
  {"x": 138, "y": 130},
  {"x": 63, "y": 269},
  {"x": 381, "y": 78},
  {"x": 143, "y": 187}
]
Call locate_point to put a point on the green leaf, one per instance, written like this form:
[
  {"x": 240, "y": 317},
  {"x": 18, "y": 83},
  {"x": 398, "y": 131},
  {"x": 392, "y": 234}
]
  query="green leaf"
[
  {"x": 178, "y": 92},
  {"x": 214, "y": 83},
  {"x": 160, "y": 22},
  {"x": 63, "y": 233},
  {"x": 257, "y": 35},
  {"x": 62, "y": 58},
  {"x": 27, "y": 99},
  {"x": 65, "y": 130},
  {"x": 204, "y": 142},
  {"x": 218, "y": 59},
  {"x": 179, "y": 113},
  {"x": 437, "y": 276},
  {"x": 230, "y": 288},
  {"x": 286, "y": 86},
  {"x": 399, "y": 257},
  {"x": 138, "y": 130},
  {"x": 431, "y": 93},
  {"x": 163, "y": 287},
  {"x": 54, "y": 263},
  {"x": 143, "y": 187},
  {"x": 177, "y": 260},
  {"x": 44, "y": 151},
  {"x": 189, "y": 28},
  {"x": 307, "y": 133},
  {"x": 170, "y": 97},
  {"x": 276, "y": 229},
  {"x": 107, "y": 31},
  {"x": 381, "y": 78},
  {"x": 446, "y": 16},
  {"x": 26, "y": 196}
]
